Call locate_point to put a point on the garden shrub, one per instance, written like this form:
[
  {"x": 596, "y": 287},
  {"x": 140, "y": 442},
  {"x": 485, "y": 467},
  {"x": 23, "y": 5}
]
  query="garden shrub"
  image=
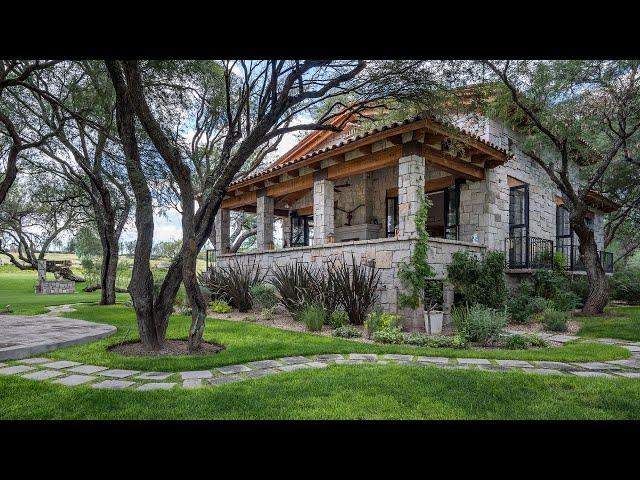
[
  {"x": 356, "y": 287},
  {"x": 535, "y": 340},
  {"x": 264, "y": 296},
  {"x": 435, "y": 341},
  {"x": 389, "y": 335},
  {"x": 233, "y": 283},
  {"x": 555, "y": 320},
  {"x": 347, "y": 331},
  {"x": 579, "y": 285},
  {"x": 220, "y": 306},
  {"x": 378, "y": 320},
  {"x": 478, "y": 323},
  {"x": 267, "y": 314},
  {"x": 338, "y": 318},
  {"x": 625, "y": 285},
  {"x": 565, "y": 301},
  {"x": 516, "y": 342},
  {"x": 478, "y": 281},
  {"x": 313, "y": 317}
]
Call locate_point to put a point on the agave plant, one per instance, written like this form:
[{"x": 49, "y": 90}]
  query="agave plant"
[
  {"x": 233, "y": 283},
  {"x": 356, "y": 287}
]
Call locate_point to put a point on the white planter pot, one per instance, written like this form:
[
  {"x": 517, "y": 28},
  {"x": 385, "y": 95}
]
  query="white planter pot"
[{"x": 435, "y": 328}]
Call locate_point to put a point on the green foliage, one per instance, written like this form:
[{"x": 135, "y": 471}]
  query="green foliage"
[
  {"x": 516, "y": 342},
  {"x": 338, "y": 318},
  {"x": 625, "y": 285},
  {"x": 267, "y": 313},
  {"x": 389, "y": 335},
  {"x": 478, "y": 281},
  {"x": 435, "y": 341},
  {"x": 478, "y": 323},
  {"x": 233, "y": 283},
  {"x": 166, "y": 249},
  {"x": 379, "y": 320},
  {"x": 554, "y": 320},
  {"x": 220, "y": 306},
  {"x": 347, "y": 331},
  {"x": 579, "y": 285},
  {"x": 264, "y": 296},
  {"x": 313, "y": 317},
  {"x": 414, "y": 274},
  {"x": 356, "y": 287},
  {"x": 86, "y": 243}
]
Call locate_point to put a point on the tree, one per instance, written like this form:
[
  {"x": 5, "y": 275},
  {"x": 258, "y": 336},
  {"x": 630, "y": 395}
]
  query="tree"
[
  {"x": 582, "y": 115},
  {"x": 261, "y": 100},
  {"x": 33, "y": 219}
]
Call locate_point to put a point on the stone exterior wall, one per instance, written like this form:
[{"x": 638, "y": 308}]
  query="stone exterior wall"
[
  {"x": 385, "y": 253},
  {"x": 55, "y": 287}
]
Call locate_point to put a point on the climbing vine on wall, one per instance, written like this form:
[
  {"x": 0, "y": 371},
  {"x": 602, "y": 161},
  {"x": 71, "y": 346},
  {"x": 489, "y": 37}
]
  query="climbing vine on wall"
[{"x": 415, "y": 273}]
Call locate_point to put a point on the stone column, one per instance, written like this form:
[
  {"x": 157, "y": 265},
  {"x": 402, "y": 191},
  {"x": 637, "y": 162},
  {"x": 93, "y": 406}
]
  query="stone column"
[
  {"x": 222, "y": 226},
  {"x": 264, "y": 220},
  {"x": 286, "y": 231},
  {"x": 323, "y": 208},
  {"x": 411, "y": 176}
]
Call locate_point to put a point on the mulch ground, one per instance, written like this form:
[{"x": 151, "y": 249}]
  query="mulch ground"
[{"x": 170, "y": 347}]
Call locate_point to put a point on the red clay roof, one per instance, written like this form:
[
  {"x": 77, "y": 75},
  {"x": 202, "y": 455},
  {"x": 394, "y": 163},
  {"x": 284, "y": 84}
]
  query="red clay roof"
[{"x": 416, "y": 118}]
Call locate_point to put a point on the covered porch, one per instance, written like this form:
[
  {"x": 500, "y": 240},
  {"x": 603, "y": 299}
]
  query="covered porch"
[{"x": 367, "y": 187}]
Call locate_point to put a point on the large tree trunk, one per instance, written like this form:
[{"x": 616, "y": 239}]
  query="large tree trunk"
[
  {"x": 108, "y": 275},
  {"x": 598, "y": 285},
  {"x": 141, "y": 285},
  {"x": 10, "y": 173}
]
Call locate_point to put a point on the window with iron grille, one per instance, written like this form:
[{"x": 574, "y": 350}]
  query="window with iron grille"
[{"x": 519, "y": 225}]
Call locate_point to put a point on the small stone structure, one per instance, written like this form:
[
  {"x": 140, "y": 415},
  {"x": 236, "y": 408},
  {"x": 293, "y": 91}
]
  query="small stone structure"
[{"x": 52, "y": 287}]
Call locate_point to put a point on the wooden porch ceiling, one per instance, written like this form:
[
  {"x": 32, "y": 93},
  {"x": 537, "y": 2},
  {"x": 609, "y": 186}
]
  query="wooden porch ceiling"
[{"x": 469, "y": 161}]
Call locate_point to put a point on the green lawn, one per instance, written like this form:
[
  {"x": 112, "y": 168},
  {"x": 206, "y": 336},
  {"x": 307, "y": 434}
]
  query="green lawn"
[
  {"x": 338, "y": 392},
  {"x": 341, "y": 392},
  {"x": 621, "y": 322}
]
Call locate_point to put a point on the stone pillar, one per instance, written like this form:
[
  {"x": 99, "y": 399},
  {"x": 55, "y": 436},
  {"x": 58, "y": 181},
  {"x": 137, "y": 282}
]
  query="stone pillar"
[
  {"x": 286, "y": 231},
  {"x": 264, "y": 220},
  {"x": 323, "y": 208},
  {"x": 42, "y": 270},
  {"x": 222, "y": 226},
  {"x": 411, "y": 176}
]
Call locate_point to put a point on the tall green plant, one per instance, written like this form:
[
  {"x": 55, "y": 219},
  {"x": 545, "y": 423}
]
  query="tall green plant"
[{"x": 414, "y": 274}]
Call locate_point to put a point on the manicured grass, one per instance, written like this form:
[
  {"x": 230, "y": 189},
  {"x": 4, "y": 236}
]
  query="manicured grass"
[
  {"x": 621, "y": 322},
  {"x": 247, "y": 342},
  {"x": 17, "y": 290},
  {"x": 341, "y": 392}
]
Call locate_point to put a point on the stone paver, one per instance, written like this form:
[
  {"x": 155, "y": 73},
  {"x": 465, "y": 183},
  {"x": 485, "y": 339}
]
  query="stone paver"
[
  {"x": 628, "y": 374},
  {"x": 597, "y": 366},
  {"x": 229, "y": 369},
  {"x": 554, "y": 365},
  {"x": 26, "y": 336},
  {"x": 154, "y": 376},
  {"x": 291, "y": 368},
  {"x": 294, "y": 360},
  {"x": 514, "y": 363},
  {"x": 440, "y": 360},
  {"x": 631, "y": 348},
  {"x": 562, "y": 338},
  {"x": 35, "y": 360},
  {"x": 156, "y": 386},
  {"x": 87, "y": 369},
  {"x": 43, "y": 374},
  {"x": 262, "y": 372},
  {"x": 225, "y": 379},
  {"x": 117, "y": 373},
  {"x": 264, "y": 364},
  {"x": 473, "y": 361},
  {"x": 590, "y": 374},
  {"x": 192, "y": 383},
  {"x": 73, "y": 380},
  {"x": 113, "y": 384},
  {"x": 328, "y": 357},
  {"x": 61, "y": 364},
  {"x": 344, "y": 361},
  {"x": 629, "y": 363},
  {"x": 542, "y": 371},
  {"x": 393, "y": 356},
  {"x": 15, "y": 369},
  {"x": 317, "y": 365},
  {"x": 3, "y": 364},
  {"x": 365, "y": 357},
  {"x": 196, "y": 374}
]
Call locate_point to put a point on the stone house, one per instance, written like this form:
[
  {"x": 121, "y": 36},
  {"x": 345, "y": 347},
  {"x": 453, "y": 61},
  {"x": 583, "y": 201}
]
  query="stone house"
[{"x": 357, "y": 192}]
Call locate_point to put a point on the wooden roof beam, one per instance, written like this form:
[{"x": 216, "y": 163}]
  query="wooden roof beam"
[{"x": 452, "y": 164}]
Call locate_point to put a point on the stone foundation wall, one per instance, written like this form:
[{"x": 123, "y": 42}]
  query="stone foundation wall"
[
  {"x": 56, "y": 287},
  {"x": 386, "y": 254}
]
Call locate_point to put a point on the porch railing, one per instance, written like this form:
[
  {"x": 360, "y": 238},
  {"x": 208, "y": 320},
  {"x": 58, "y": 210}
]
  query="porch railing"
[
  {"x": 537, "y": 253},
  {"x": 528, "y": 252}
]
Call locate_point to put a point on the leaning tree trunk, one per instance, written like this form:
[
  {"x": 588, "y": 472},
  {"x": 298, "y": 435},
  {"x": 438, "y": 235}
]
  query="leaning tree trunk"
[{"x": 598, "y": 285}]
